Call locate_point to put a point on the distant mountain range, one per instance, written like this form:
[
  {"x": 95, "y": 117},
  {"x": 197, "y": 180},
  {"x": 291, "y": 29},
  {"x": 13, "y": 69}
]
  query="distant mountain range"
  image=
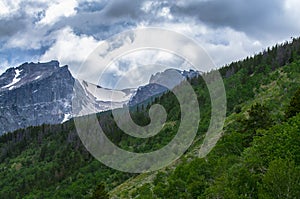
[{"x": 36, "y": 93}]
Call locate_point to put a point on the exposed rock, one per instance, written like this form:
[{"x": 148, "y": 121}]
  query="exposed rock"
[{"x": 160, "y": 83}]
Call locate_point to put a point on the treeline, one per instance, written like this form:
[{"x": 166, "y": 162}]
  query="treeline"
[
  {"x": 255, "y": 158},
  {"x": 49, "y": 161},
  {"x": 270, "y": 59},
  {"x": 270, "y": 80}
]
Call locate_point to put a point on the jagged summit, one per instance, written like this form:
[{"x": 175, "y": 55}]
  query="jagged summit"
[
  {"x": 160, "y": 83},
  {"x": 33, "y": 94},
  {"x": 168, "y": 76},
  {"x": 36, "y": 93},
  {"x": 14, "y": 78}
]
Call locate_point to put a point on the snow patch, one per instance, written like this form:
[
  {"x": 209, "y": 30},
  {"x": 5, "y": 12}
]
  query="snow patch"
[
  {"x": 38, "y": 77},
  {"x": 104, "y": 94},
  {"x": 15, "y": 80},
  {"x": 66, "y": 117},
  {"x": 67, "y": 104}
]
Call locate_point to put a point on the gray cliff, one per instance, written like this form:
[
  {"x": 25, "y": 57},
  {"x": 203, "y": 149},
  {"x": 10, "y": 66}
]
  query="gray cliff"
[{"x": 33, "y": 94}]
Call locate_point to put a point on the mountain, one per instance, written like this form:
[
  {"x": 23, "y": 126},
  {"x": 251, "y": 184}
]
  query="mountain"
[
  {"x": 33, "y": 94},
  {"x": 37, "y": 93},
  {"x": 160, "y": 83},
  {"x": 92, "y": 98},
  {"x": 257, "y": 156}
]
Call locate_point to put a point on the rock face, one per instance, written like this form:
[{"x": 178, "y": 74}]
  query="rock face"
[
  {"x": 160, "y": 83},
  {"x": 33, "y": 94},
  {"x": 37, "y": 93},
  {"x": 90, "y": 98}
]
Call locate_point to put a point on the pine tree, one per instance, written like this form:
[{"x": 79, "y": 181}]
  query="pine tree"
[
  {"x": 100, "y": 192},
  {"x": 294, "y": 106}
]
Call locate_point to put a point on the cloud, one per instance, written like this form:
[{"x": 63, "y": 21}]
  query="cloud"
[
  {"x": 9, "y": 26},
  {"x": 223, "y": 44},
  {"x": 58, "y": 10},
  {"x": 256, "y": 18},
  {"x": 42, "y": 30},
  {"x": 19, "y": 25},
  {"x": 70, "y": 49},
  {"x": 230, "y": 45},
  {"x": 135, "y": 68},
  {"x": 120, "y": 9},
  {"x": 95, "y": 24},
  {"x": 3, "y": 9},
  {"x": 8, "y": 7}
]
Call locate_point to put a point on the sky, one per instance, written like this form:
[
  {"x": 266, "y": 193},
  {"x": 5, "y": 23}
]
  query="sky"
[{"x": 69, "y": 31}]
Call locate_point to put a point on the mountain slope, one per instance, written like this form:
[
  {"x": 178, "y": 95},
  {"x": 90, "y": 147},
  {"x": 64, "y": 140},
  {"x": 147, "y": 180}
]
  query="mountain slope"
[
  {"x": 33, "y": 94},
  {"x": 33, "y": 97},
  {"x": 107, "y": 99},
  {"x": 274, "y": 91},
  {"x": 49, "y": 161},
  {"x": 161, "y": 82}
]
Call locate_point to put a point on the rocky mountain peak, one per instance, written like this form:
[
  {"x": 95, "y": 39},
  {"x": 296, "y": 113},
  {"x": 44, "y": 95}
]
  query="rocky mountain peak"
[
  {"x": 33, "y": 94},
  {"x": 36, "y": 93},
  {"x": 28, "y": 72},
  {"x": 160, "y": 83}
]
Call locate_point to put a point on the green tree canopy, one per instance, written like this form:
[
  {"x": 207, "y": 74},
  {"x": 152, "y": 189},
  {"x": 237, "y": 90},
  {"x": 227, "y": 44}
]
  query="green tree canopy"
[
  {"x": 100, "y": 192},
  {"x": 294, "y": 106}
]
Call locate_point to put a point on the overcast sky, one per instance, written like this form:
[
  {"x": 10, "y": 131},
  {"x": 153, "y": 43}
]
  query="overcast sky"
[{"x": 69, "y": 30}]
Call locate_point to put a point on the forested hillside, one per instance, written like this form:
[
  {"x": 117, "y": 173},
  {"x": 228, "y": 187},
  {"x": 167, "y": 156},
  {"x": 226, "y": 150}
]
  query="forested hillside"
[{"x": 257, "y": 156}]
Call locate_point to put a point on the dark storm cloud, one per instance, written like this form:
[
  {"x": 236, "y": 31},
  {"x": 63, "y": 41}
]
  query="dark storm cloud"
[
  {"x": 124, "y": 9},
  {"x": 91, "y": 6},
  {"x": 95, "y": 24},
  {"x": 103, "y": 20},
  {"x": 12, "y": 25},
  {"x": 255, "y": 18},
  {"x": 263, "y": 22},
  {"x": 20, "y": 20},
  {"x": 242, "y": 15}
]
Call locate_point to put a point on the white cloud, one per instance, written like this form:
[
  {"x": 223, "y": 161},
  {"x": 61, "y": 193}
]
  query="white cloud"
[
  {"x": 223, "y": 45},
  {"x": 4, "y": 64},
  {"x": 7, "y": 7},
  {"x": 70, "y": 48},
  {"x": 165, "y": 12},
  {"x": 292, "y": 10},
  {"x": 31, "y": 7},
  {"x": 57, "y": 10},
  {"x": 135, "y": 68},
  {"x": 4, "y": 10},
  {"x": 32, "y": 39},
  {"x": 292, "y": 4},
  {"x": 46, "y": 22},
  {"x": 156, "y": 9}
]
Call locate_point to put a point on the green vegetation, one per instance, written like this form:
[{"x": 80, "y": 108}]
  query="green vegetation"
[
  {"x": 294, "y": 106},
  {"x": 100, "y": 192},
  {"x": 257, "y": 156}
]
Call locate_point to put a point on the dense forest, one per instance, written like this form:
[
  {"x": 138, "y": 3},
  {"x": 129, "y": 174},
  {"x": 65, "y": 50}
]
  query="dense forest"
[{"x": 257, "y": 156}]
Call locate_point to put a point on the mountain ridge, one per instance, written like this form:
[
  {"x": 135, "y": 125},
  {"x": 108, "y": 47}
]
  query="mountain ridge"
[
  {"x": 36, "y": 93},
  {"x": 49, "y": 161}
]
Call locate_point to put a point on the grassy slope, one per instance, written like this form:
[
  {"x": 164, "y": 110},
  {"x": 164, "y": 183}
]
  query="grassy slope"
[
  {"x": 275, "y": 94},
  {"x": 51, "y": 162}
]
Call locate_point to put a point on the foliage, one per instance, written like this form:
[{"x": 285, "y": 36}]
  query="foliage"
[
  {"x": 259, "y": 151},
  {"x": 282, "y": 180},
  {"x": 100, "y": 192},
  {"x": 294, "y": 106}
]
